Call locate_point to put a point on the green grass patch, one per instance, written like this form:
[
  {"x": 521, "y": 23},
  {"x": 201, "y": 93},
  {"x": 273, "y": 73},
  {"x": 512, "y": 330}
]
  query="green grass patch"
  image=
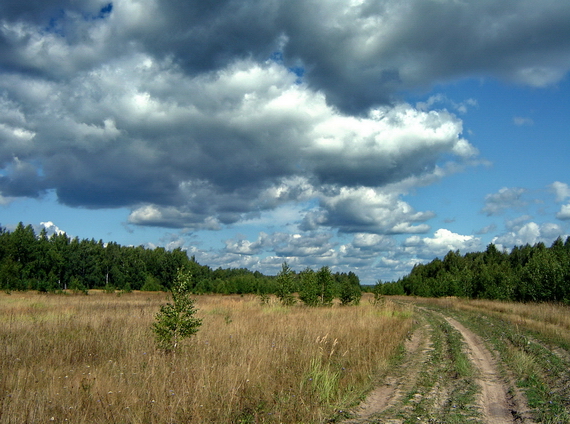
[{"x": 323, "y": 380}]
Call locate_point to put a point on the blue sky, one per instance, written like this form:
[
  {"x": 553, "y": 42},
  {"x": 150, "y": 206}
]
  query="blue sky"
[{"x": 364, "y": 135}]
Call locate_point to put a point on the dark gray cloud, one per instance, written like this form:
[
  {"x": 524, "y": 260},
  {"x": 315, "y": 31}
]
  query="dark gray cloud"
[
  {"x": 46, "y": 12},
  {"x": 361, "y": 53},
  {"x": 202, "y": 114},
  {"x": 215, "y": 147},
  {"x": 358, "y": 53},
  {"x": 23, "y": 180},
  {"x": 205, "y": 36}
]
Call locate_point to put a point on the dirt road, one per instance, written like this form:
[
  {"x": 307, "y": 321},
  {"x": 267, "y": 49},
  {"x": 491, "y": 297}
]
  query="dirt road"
[
  {"x": 497, "y": 407},
  {"x": 446, "y": 374}
]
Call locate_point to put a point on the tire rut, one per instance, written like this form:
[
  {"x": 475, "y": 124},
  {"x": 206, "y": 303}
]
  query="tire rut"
[
  {"x": 395, "y": 385},
  {"x": 494, "y": 400},
  {"x": 403, "y": 395}
]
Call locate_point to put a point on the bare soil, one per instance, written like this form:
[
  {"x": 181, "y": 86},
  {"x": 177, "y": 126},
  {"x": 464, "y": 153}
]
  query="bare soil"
[{"x": 497, "y": 406}]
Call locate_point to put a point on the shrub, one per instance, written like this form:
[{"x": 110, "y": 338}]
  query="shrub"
[
  {"x": 151, "y": 284},
  {"x": 309, "y": 291},
  {"x": 77, "y": 287},
  {"x": 350, "y": 294}
]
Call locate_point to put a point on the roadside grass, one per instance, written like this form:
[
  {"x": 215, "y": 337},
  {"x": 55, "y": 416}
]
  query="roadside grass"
[
  {"x": 527, "y": 340},
  {"x": 418, "y": 402},
  {"x": 536, "y": 369},
  {"x": 92, "y": 359}
]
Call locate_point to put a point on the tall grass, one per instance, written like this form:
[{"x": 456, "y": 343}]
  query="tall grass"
[{"x": 92, "y": 359}]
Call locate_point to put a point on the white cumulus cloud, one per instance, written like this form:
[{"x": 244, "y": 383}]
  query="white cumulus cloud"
[{"x": 441, "y": 243}]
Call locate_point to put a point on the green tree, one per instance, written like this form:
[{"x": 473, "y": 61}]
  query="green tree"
[
  {"x": 176, "y": 321},
  {"x": 394, "y": 288},
  {"x": 10, "y": 275},
  {"x": 59, "y": 257},
  {"x": 325, "y": 283},
  {"x": 23, "y": 248},
  {"x": 286, "y": 285},
  {"x": 309, "y": 290},
  {"x": 77, "y": 287},
  {"x": 542, "y": 278},
  {"x": 151, "y": 284},
  {"x": 378, "y": 291},
  {"x": 349, "y": 291}
]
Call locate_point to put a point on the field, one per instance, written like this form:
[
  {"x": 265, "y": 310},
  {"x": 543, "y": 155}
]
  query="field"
[{"x": 92, "y": 359}]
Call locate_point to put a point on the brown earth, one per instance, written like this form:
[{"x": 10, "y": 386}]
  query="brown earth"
[{"x": 497, "y": 406}]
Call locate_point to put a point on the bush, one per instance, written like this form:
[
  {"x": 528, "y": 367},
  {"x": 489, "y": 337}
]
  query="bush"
[
  {"x": 77, "y": 287},
  {"x": 309, "y": 291},
  {"x": 110, "y": 289},
  {"x": 350, "y": 294},
  {"x": 151, "y": 284}
]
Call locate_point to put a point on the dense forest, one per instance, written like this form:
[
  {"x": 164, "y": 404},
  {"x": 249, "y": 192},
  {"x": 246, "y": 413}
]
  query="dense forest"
[
  {"x": 526, "y": 273},
  {"x": 30, "y": 261}
]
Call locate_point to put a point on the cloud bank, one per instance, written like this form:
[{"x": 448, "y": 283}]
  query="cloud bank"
[{"x": 200, "y": 115}]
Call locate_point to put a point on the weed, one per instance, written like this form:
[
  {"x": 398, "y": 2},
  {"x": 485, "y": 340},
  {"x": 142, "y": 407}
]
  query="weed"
[{"x": 323, "y": 380}]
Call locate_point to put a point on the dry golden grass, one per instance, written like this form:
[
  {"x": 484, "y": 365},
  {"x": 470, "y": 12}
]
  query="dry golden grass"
[
  {"x": 549, "y": 319},
  {"x": 92, "y": 359}
]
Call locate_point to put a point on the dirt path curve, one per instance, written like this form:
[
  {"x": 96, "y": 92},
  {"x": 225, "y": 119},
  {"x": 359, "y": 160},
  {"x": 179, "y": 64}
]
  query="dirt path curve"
[{"x": 496, "y": 406}]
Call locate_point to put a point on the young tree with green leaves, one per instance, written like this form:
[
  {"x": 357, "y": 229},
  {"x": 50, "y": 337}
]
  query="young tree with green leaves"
[
  {"x": 349, "y": 290},
  {"x": 378, "y": 291},
  {"x": 286, "y": 285},
  {"x": 176, "y": 321},
  {"x": 325, "y": 284},
  {"x": 309, "y": 290}
]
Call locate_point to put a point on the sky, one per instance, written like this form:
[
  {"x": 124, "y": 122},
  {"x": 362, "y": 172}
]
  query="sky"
[{"x": 363, "y": 135}]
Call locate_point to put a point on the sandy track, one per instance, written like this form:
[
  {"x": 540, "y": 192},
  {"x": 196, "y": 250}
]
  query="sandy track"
[{"x": 496, "y": 406}]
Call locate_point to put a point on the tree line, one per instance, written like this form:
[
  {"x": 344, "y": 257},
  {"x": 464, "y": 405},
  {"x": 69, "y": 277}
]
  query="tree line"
[
  {"x": 526, "y": 273},
  {"x": 51, "y": 263},
  {"x": 317, "y": 288},
  {"x": 30, "y": 261}
]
